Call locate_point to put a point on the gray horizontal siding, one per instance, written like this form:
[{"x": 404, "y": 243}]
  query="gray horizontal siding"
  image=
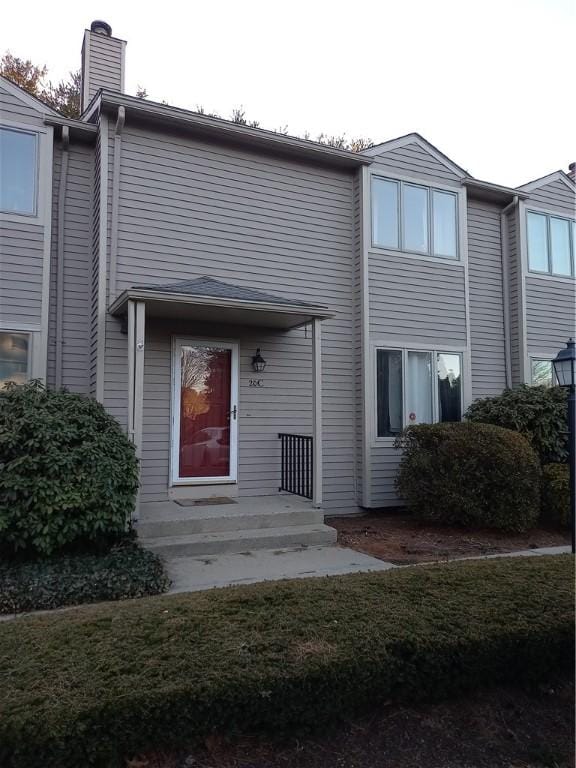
[
  {"x": 15, "y": 110},
  {"x": 550, "y": 314},
  {"x": 555, "y": 195},
  {"x": 486, "y": 299},
  {"x": 413, "y": 160},
  {"x": 21, "y": 262},
  {"x": 76, "y": 297},
  {"x": 188, "y": 209},
  {"x": 105, "y": 64},
  {"x": 418, "y": 301},
  {"x": 515, "y": 289}
]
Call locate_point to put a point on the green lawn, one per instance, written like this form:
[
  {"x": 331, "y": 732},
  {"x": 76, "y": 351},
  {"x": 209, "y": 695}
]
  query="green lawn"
[{"x": 94, "y": 684}]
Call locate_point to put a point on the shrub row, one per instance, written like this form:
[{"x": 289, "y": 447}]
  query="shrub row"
[
  {"x": 94, "y": 686},
  {"x": 123, "y": 572},
  {"x": 68, "y": 475}
]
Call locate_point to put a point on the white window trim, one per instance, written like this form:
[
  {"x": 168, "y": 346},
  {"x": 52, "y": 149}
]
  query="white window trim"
[
  {"x": 43, "y": 174},
  {"x": 572, "y": 244},
  {"x": 429, "y": 255},
  {"x": 435, "y": 349}
]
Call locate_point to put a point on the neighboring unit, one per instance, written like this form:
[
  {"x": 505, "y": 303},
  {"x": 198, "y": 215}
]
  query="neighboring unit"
[{"x": 264, "y": 314}]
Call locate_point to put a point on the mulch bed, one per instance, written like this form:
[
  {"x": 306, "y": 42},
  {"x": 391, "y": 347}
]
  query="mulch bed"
[
  {"x": 503, "y": 728},
  {"x": 402, "y": 539}
]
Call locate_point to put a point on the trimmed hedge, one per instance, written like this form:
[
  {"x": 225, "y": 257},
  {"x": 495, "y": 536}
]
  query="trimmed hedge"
[
  {"x": 556, "y": 495},
  {"x": 123, "y": 572},
  {"x": 469, "y": 474},
  {"x": 93, "y": 686},
  {"x": 538, "y": 413},
  {"x": 68, "y": 475}
]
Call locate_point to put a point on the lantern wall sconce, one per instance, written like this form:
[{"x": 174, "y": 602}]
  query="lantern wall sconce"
[{"x": 258, "y": 362}]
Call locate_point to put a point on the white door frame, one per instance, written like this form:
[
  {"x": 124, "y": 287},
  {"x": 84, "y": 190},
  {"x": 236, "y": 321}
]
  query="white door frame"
[{"x": 177, "y": 343}]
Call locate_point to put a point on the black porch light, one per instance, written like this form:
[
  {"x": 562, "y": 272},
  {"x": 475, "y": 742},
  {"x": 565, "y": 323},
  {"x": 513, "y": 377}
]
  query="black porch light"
[
  {"x": 258, "y": 362},
  {"x": 565, "y": 370}
]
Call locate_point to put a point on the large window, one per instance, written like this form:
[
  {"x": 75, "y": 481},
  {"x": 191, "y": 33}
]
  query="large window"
[
  {"x": 18, "y": 171},
  {"x": 416, "y": 387},
  {"x": 414, "y": 218},
  {"x": 14, "y": 357},
  {"x": 551, "y": 244}
]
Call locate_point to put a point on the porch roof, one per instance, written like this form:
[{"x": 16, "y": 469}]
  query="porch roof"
[{"x": 211, "y": 300}]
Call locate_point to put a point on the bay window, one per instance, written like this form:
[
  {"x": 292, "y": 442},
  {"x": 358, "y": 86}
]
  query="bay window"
[
  {"x": 551, "y": 244},
  {"x": 18, "y": 171},
  {"x": 414, "y": 218},
  {"x": 416, "y": 387},
  {"x": 14, "y": 357}
]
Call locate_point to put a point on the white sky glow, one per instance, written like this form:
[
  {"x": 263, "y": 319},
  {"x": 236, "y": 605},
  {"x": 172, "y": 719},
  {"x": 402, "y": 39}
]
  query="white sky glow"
[{"x": 491, "y": 84}]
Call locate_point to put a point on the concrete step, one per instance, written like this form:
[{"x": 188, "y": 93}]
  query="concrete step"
[
  {"x": 241, "y": 541},
  {"x": 226, "y": 518}
]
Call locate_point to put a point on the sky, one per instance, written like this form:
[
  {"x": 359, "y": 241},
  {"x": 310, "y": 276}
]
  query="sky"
[{"x": 490, "y": 83}]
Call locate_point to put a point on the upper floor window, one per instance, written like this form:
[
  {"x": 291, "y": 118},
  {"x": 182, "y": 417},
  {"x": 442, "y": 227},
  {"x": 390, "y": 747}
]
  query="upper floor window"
[
  {"x": 18, "y": 171},
  {"x": 416, "y": 387},
  {"x": 551, "y": 244},
  {"x": 14, "y": 357},
  {"x": 411, "y": 217}
]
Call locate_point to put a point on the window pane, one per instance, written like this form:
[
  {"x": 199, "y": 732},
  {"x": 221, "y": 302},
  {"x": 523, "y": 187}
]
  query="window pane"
[
  {"x": 542, "y": 373},
  {"x": 419, "y": 387},
  {"x": 13, "y": 357},
  {"x": 17, "y": 171},
  {"x": 415, "y": 218},
  {"x": 389, "y": 392},
  {"x": 560, "y": 246},
  {"x": 449, "y": 387},
  {"x": 385, "y": 213},
  {"x": 444, "y": 212},
  {"x": 537, "y": 242}
]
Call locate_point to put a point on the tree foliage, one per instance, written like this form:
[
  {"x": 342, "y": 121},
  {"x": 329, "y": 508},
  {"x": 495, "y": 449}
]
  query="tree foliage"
[{"x": 64, "y": 96}]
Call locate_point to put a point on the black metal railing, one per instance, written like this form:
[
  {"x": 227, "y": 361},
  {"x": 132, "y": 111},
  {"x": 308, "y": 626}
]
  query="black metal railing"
[{"x": 297, "y": 464}]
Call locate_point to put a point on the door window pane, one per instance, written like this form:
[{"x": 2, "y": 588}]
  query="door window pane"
[
  {"x": 537, "y": 242},
  {"x": 389, "y": 392},
  {"x": 205, "y": 397},
  {"x": 14, "y": 355},
  {"x": 415, "y": 218},
  {"x": 542, "y": 375},
  {"x": 419, "y": 388},
  {"x": 449, "y": 370},
  {"x": 560, "y": 246},
  {"x": 17, "y": 171},
  {"x": 444, "y": 213},
  {"x": 385, "y": 213}
]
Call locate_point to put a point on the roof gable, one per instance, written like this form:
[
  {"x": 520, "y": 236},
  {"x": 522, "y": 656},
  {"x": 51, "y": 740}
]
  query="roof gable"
[
  {"x": 549, "y": 179},
  {"x": 26, "y": 98},
  {"x": 423, "y": 144}
]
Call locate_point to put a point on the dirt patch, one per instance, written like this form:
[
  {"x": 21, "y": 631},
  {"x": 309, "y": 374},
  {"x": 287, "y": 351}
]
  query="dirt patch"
[
  {"x": 401, "y": 539},
  {"x": 503, "y": 728}
]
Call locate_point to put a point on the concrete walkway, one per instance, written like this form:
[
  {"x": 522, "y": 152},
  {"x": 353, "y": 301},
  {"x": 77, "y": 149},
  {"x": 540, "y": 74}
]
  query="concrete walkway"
[{"x": 191, "y": 574}]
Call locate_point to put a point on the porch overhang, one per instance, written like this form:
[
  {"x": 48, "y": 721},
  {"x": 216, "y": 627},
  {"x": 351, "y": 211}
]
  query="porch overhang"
[{"x": 265, "y": 312}]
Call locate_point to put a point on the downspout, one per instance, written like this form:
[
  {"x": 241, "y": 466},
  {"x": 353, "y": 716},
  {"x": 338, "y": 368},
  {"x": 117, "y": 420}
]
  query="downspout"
[
  {"x": 60, "y": 257},
  {"x": 505, "y": 256},
  {"x": 120, "y": 120}
]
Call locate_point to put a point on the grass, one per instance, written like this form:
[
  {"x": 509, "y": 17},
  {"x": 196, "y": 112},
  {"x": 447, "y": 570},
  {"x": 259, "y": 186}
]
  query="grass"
[
  {"x": 125, "y": 571},
  {"x": 97, "y": 684}
]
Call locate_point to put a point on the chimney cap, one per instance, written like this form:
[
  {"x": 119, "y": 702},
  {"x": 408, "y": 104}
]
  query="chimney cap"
[{"x": 101, "y": 28}]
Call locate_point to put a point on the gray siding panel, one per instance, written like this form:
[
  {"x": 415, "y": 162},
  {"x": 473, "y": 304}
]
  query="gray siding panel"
[
  {"x": 515, "y": 290},
  {"x": 555, "y": 195},
  {"x": 550, "y": 314},
  {"x": 486, "y": 299},
  {"x": 413, "y": 160},
  {"x": 188, "y": 209},
  {"x": 105, "y": 65},
  {"x": 15, "y": 110}
]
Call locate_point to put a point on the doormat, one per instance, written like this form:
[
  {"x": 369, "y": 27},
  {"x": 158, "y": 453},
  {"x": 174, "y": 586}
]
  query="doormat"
[{"x": 212, "y": 501}]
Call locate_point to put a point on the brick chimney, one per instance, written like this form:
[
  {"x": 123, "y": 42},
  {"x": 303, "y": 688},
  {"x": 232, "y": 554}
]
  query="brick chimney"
[
  {"x": 572, "y": 171},
  {"x": 102, "y": 61}
]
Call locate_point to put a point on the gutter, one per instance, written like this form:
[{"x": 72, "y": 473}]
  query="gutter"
[
  {"x": 60, "y": 256},
  {"x": 505, "y": 250},
  {"x": 217, "y": 127}
]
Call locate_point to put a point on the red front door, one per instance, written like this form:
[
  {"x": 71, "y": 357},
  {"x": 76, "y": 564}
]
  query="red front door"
[{"x": 207, "y": 414}]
